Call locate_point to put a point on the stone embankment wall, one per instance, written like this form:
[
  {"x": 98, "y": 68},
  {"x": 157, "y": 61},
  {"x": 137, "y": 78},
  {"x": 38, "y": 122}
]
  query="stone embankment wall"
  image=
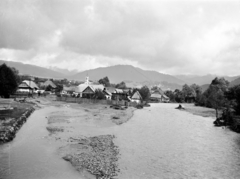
[
  {"x": 10, "y": 127},
  {"x": 96, "y": 101}
]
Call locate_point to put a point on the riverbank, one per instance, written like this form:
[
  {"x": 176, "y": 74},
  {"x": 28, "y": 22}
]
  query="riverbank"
[
  {"x": 82, "y": 133},
  {"x": 12, "y": 119},
  {"x": 198, "y": 110}
]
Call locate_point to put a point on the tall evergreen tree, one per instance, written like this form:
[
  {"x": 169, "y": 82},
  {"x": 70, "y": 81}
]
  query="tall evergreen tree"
[{"x": 8, "y": 81}]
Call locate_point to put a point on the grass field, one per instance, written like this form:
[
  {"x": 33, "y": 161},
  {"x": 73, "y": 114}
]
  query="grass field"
[{"x": 201, "y": 111}]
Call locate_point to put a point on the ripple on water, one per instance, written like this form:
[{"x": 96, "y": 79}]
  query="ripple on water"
[{"x": 175, "y": 144}]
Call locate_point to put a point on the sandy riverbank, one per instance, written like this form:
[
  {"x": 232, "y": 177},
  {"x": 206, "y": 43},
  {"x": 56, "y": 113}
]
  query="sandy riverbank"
[{"x": 81, "y": 131}]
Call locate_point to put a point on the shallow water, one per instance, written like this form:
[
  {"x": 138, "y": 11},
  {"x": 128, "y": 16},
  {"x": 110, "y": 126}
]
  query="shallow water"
[
  {"x": 158, "y": 142},
  {"x": 162, "y": 142},
  {"x": 31, "y": 156}
]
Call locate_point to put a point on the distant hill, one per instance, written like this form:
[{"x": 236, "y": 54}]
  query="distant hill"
[
  {"x": 163, "y": 85},
  {"x": 121, "y": 73},
  {"x": 235, "y": 82},
  {"x": 201, "y": 80},
  {"x": 33, "y": 70},
  {"x": 64, "y": 71}
]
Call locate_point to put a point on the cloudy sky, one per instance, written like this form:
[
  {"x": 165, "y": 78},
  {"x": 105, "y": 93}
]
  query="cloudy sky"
[{"x": 174, "y": 37}]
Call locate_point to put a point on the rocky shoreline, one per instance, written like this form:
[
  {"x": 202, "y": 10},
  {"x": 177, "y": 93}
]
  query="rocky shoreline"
[
  {"x": 9, "y": 127},
  {"x": 98, "y": 155}
]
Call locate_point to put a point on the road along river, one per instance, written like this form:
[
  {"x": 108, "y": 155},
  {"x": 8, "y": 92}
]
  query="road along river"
[{"x": 157, "y": 142}]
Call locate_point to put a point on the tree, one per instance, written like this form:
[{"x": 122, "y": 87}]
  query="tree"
[
  {"x": 179, "y": 98},
  {"x": 171, "y": 95},
  {"x": 99, "y": 94},
  {"x": 16, "y": 73},
  {"x": 188, "y": 93},
  {"x": 197, "y": 89},
  {"x": 48, "y": 88},
  {"x": 8, "y": 81},
  {"x": 121, "y": 85},
  {"x": 215, "y": 94},
  {"x": 233, "y": 95},
  {"x": 216, "y": 98},
  {"x": 59, "y": 88},
  {"x": 105, "y": 81},
  {"x": 145, "y": 93},
  {"x": 154, "y": 88}
]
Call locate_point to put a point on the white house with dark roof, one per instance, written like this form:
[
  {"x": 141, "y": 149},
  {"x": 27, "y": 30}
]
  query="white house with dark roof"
[
  {"x": 88, "y": 88},
  {"x": 158, "y": 96},
  {"x": 136, "y": 97},
  {"x": 27, "y": 86}
]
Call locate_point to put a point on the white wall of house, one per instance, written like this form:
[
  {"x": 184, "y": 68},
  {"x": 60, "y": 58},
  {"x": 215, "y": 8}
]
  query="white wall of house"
[{"x": 136, "y": 100}]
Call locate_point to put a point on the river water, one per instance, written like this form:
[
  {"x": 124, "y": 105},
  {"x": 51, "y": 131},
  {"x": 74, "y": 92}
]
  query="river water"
[{"x": 158, "y": 142}]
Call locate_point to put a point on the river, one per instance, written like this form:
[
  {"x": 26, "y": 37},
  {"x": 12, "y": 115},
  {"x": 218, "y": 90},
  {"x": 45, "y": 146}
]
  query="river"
[{"x": 158, "y": 142}]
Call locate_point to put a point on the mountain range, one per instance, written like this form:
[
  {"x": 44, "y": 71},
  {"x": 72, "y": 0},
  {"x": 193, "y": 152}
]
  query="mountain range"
[
  {"x": 33, "y": 70},
  {"x": 131, "y": 75},
  {"x": 202, "y": 80},
  {"x": 121, "y": 73}
]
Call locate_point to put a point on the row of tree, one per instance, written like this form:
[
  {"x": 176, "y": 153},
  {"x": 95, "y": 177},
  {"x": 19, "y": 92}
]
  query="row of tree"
[
  {"x": 188, "y": 94},
  {"x": 106, "y": 82},
  {"x": 218, "y": 95}
]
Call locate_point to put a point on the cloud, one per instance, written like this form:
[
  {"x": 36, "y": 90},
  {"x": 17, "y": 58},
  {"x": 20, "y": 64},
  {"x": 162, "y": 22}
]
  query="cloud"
[{"x": 168, "y": 36}]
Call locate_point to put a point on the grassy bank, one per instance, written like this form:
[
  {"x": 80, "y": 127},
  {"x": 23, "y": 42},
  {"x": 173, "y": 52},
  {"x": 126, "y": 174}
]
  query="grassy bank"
[
  {"x": 200, "y": 111},
  {"x": 12, "y": 119}
]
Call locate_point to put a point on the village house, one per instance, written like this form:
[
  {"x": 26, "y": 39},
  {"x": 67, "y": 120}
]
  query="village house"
[
  {"x": 27, "y": 86},
  {"x": 49, "y": 84},
  {"x": 117, "y": 94},
  {"x": 107, "y": 93},
  {"x": 87, "y": 89},
  {"x": 158, "y": 96},
  {"x": 136, "y": 97}
]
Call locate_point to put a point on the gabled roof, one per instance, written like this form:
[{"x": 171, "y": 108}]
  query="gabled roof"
[
  {"x": 49, "y": 82},
  {"x": 88, "y": 90},
  {"x": 158, "y": 95},
  {"x": 80, "y": 88},
  {"x": 118, "y": 90},
  {"x": 27, "y": 83},
  {"x": 110, "y": 89},
  {"x": 107, "y": 92},
  {"x": 70, "y": 88},
  {"x": 137, "y": 95},
  {"x": 23, "y": 85}
]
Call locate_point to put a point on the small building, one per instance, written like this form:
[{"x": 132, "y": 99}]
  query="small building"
[
  {"x": 27, "y": 86},
  {"x": 50, "y": 84},
  {"x": 116, "y": 94},
  {"x": 87, "y": 89},
  {"x": 108, "y": 94},
  {"x": 136, "y": 97},
  {"x": 158, "y": 96},
  {"x": 88, "y": 92},
  {"x": 68, "y": 90}
]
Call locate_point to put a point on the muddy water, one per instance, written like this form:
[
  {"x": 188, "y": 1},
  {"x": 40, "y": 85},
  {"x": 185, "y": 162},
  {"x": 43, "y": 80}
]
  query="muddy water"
[
  {"x": 158, "y": 142},
  {"x": 31, "y": 156},
  {"x": 162, "y": 142}
]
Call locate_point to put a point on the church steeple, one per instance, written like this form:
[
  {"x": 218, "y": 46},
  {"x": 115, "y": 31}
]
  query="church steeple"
[{"x": 87, "y": 80}]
